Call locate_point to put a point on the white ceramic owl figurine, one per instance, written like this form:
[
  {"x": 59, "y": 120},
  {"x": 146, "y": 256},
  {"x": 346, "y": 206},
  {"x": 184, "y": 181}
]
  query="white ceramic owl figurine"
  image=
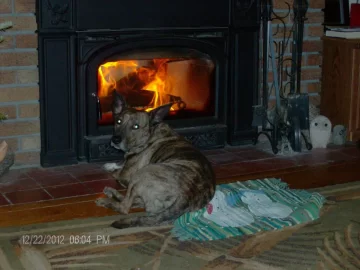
[
  {"x": 320, "y": 131},
  {"x": 339, "y": 135}
]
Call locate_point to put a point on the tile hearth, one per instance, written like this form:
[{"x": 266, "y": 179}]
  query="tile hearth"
[{"x": 32, "y": 185}]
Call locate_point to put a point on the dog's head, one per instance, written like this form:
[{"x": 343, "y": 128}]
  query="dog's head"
[{"x": 132, "y": 127}]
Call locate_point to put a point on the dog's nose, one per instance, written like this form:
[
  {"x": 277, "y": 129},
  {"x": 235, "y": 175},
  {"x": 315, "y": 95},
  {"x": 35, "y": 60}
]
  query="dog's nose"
[{"x": 116, "y": 139}]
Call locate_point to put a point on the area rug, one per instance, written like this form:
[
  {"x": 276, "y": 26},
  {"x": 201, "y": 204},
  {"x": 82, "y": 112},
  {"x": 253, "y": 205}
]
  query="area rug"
[{"x": 330, "y": 242}]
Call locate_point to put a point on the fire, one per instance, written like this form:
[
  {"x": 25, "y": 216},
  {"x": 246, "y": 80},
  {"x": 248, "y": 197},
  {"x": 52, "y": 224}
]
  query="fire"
[
  {"x": 186, "y": 82},
  {"x": 107, "y": 76},
  {"x": 130, "y": 75},
  {"x": 156, "y": 86}
]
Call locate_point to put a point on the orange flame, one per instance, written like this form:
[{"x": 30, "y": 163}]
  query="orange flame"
[
  {"x": 111, "y": 72},
  {"x": 106, "y": 74}
]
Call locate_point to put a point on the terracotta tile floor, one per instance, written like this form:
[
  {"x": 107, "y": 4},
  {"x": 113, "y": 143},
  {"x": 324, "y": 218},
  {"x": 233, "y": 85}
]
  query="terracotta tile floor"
[{"x": 32, "y": 185}]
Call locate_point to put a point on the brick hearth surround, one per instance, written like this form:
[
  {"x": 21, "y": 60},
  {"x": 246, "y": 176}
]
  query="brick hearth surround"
[{"x": 19, "y": 91}]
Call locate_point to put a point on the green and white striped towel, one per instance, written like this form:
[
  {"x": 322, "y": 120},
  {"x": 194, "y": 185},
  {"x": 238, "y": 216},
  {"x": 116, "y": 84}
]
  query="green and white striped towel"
[{"x": 255, "y": 205}]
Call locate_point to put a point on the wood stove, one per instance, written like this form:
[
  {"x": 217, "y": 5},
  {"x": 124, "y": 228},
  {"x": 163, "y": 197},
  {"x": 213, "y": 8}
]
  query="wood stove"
[{"x": 200, "y": 55}]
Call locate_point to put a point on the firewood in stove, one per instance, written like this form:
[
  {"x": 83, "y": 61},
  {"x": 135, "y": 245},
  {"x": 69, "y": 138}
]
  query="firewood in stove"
[
  {"x": 136, "y": 80},
  {"x": 136, "y": 98},
  {"x": 181, "y": 105},
  {"x": 129, "y": 83},
  {"x": 130, "y": 86},
  {"x": 140, "y": 98}
]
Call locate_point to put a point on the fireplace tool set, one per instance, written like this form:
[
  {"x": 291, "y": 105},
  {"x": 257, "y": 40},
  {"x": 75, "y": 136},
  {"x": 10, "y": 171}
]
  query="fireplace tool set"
[{"x": 291, "y": 112}]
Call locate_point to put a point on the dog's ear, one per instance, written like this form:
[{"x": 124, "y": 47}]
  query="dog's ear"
[
  {"x": 159, "y": 113},
  {"x": 119, "y": 103}
]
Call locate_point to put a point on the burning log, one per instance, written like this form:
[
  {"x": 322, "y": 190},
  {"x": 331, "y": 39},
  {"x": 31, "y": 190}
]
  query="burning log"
[
  {"x": 136, "y": 98},
  {"x": 140, "y": 100},
  {"x": 129, "y": 84},
  {"x": 130, "y": 87},
  {"x": 184, "y": 82},
  {"x": 181, "y": 105}
]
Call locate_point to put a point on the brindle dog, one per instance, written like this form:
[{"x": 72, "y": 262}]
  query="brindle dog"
[{"x": 163, "y": 172}]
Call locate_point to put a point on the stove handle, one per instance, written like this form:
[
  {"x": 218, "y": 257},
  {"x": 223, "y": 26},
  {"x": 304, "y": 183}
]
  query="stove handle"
[{"x": 98, "y": 106}]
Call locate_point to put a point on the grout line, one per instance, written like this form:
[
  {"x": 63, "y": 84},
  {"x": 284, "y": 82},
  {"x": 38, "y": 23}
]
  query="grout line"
[
  {"x": 67, "y": 184},
  {"x": 27, "y": 166},
  {"x": 48, "y": 193},
  {"x": 260, "y": 160},
  {"x": 15, "y": 33},
  {"x": 22, "y": 190},
  {"x": 18, "y": 50},
  {"x": 18, "y": 85},
  {"x": 21, "y": 120},
  {"x": 91, "y": 181},
  {"x": 14, "y": 14},
  {"x": 16, "y": 204},
  {"x": 83, "y": 183},
  {"x": 17, "y": 112},
  {"x": 49, "y": 206},
  {"x": 6, "y": 198},
  {"x": 16, "y": 68}
]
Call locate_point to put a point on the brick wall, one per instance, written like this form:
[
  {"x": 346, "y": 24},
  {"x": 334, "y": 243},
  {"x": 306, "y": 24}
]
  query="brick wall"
[
  {"x": 19, "y": 90},
  {"x": 312, "y": 46}
]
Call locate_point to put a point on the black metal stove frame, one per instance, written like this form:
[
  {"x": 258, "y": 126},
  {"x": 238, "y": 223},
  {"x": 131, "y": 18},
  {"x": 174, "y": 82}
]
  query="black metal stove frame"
[{"x": 76, "y": 36}]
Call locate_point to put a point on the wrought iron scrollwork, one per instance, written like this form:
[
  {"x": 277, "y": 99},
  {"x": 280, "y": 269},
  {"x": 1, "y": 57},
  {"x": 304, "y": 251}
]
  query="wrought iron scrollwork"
[
  {"x": 57, "y": 12},
  {"x": 283, "y": 124}
]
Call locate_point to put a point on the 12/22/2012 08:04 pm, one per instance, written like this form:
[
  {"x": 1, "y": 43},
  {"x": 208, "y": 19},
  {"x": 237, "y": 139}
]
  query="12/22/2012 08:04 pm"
[{"x": 64, "y": 240}]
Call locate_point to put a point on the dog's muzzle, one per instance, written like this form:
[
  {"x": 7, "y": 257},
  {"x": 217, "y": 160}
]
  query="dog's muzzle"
[{"x": 116, "y": 142}]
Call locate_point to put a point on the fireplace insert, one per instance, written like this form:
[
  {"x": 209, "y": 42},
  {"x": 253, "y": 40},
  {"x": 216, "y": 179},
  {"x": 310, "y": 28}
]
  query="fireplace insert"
[
  {"x": 201, "y": 56},
  {"x": 148, "y": 79}
]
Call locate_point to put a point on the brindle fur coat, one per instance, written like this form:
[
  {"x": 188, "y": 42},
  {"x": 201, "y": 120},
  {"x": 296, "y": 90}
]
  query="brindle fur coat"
[{"x": 163, "y": 172}]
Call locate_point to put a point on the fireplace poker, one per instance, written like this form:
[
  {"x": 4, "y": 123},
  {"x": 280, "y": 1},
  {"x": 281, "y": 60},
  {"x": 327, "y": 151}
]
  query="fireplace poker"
[{"x": 298, "y": 103}]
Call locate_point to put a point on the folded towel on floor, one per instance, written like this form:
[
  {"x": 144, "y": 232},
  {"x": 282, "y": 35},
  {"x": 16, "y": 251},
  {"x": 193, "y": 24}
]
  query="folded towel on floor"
[{"x": 245, "y": 208}]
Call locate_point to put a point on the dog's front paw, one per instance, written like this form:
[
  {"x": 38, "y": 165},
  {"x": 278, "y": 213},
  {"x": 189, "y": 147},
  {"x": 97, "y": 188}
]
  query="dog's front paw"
[
  {"x": 111, "y": 167},
  {"x": 109, "y": 191},
  {"x": 113, "y": 193},
  {"x": 103, "y": 202}
]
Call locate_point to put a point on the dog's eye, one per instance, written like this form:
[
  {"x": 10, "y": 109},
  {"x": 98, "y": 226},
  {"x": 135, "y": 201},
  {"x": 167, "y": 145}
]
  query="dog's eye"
[
  {"x": 118, "y": 121},
  {"x": 136, "y": 126}
]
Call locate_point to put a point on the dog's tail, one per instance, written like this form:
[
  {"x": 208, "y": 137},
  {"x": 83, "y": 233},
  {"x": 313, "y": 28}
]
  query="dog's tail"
[{"x": 168, "y": 216}]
